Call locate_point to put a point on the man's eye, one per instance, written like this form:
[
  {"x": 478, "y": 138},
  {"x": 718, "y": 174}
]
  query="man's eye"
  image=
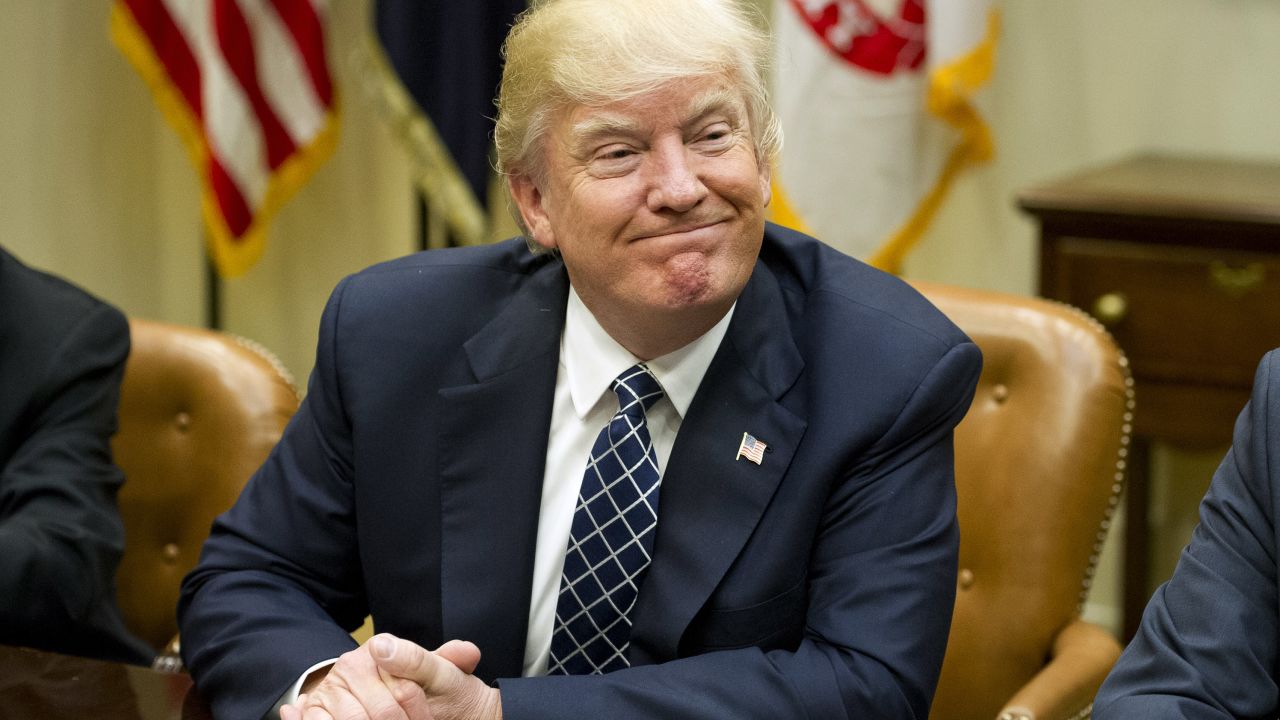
[
  {"x": 716, "y": 134},
  {"x": 613, "y": 161}
]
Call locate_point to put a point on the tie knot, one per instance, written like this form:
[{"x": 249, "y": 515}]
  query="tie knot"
[{"x": 637, "y": 390}]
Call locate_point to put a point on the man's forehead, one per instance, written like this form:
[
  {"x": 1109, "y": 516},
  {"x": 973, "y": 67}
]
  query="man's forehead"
[{"x": 681, "y": 101}]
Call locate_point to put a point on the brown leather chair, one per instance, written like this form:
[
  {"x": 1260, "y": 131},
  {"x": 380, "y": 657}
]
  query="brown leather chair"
[
  {"x": 1039, "y": 464},
  {"x": 199, "y": 411}
]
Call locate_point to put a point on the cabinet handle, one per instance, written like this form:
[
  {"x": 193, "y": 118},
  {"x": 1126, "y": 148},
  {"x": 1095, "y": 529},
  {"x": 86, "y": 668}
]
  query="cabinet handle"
[
  {"x": 1236, "y": 281},
  {"x": 1111, "y": 308}
]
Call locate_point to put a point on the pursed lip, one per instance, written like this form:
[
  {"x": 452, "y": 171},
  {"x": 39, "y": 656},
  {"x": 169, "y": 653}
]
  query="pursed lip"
[{"x": 677, "y": 230}]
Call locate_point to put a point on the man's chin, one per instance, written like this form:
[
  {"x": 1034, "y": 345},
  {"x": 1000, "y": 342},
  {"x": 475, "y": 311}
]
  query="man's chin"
[{"x": 687, "y": 282}]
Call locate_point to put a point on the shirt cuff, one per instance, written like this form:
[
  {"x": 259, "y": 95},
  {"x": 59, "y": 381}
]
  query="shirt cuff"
[{"x": 291, "y": 695}]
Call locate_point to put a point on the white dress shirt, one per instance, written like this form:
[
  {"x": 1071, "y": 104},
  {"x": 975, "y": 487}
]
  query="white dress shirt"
[{"x": 590, "y": 360}]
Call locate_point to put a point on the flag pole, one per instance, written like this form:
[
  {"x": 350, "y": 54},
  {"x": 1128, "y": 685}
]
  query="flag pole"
[
  {"x": 212, "y": 296},
  {"x": 424, "y": 221},
  {"x": 433, "y": 229}
]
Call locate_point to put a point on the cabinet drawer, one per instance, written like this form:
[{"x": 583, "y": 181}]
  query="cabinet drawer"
[{"x": 1182, "y": 314}]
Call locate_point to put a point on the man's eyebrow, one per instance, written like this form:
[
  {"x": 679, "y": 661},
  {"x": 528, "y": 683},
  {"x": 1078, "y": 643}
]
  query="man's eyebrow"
[
  {"x": 598, "y": 126},
  {"x": 718, "y": 100}
]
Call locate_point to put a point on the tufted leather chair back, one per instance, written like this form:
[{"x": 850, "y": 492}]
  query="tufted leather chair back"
[
  {"x": 199, "y": 412},
  {"x": 1039, "y": 465}
]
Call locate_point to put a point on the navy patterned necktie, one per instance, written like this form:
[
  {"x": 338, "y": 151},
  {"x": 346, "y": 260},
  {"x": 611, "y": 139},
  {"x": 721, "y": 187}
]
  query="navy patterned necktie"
[{"x": 611, "y": 540}]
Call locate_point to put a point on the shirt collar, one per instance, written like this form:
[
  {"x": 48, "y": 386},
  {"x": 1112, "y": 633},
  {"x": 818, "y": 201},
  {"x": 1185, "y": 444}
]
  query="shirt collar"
[{"x": 592, "y": 359}]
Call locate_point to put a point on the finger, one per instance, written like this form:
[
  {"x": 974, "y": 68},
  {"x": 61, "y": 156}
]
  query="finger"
[
  {"x": 461, "y": 653},
  {"x": 402, "y": 689},
  {"x": 328, "y": 703},
  {"x": 354, "y": 688},
  {"x": 411, "y": 696},
  {"x": 289, "y": 712},
  {"x": 334, "y": 704},
  {"x": 405, "y": 659},
  {"x": 369, "y": 683},
  {"x": 316, "y": 713}
]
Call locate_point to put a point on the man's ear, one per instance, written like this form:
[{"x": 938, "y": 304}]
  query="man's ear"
[
  {"x": 530, "y": 204},
  {"x": 766, "y": 184}
]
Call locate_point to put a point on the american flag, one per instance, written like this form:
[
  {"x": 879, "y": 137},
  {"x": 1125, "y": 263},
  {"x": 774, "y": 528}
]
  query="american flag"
[
  {"x": 751, "y": 448},
  {"x": 246, "y": 84}
]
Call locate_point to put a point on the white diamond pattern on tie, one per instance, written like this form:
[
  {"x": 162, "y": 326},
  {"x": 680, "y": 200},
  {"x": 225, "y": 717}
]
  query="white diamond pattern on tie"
[{"x": 611, "y": 541}]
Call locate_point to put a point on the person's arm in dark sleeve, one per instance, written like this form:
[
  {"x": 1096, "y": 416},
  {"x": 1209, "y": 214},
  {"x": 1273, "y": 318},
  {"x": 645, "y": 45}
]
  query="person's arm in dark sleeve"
[
  {"x": 881, "y": 592},
  {"x": 1207, "y": 645},
  {"x": 278, "y": 585},
  {"x": 61, "y": 536}
]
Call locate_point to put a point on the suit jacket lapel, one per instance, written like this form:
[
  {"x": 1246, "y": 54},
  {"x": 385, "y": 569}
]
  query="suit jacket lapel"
[
  {"x": 493, "y": 451},
  {"x": 710, "y": 503}
]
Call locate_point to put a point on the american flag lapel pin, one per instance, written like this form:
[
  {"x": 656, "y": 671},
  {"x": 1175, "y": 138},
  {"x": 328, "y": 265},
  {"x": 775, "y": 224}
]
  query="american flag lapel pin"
[{"x": 751, "y": 449}]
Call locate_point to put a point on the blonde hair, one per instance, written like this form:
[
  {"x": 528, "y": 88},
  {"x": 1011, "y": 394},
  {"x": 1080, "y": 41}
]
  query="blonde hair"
[{"x": 594, "y": 52}]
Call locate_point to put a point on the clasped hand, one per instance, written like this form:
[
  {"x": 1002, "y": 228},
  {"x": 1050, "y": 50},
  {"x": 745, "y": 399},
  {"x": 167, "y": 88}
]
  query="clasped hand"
[{"x": 389, "y": 678}]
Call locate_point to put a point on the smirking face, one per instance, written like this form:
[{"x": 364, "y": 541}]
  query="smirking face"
[{"x": 655, "y": 203}]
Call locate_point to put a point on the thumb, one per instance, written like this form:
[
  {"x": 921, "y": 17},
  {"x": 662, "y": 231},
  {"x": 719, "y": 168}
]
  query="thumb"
[
  {"x": 405, "y": 659},
  {"x": 462, "y": 653}
]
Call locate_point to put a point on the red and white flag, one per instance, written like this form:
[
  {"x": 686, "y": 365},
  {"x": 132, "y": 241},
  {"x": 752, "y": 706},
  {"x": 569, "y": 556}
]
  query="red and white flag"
[
  {"x": 876, "y": 103},
  {"x": 247, "y": 86}
]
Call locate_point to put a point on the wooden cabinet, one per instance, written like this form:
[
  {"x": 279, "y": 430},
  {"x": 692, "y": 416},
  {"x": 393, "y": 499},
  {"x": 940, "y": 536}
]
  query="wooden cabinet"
[{"x": 1180, "y": 259}]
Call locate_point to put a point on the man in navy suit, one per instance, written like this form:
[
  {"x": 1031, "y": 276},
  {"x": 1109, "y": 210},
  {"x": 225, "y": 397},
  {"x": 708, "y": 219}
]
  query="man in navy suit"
[
  {"x": 794, "y": 444},
  {"x": 1209, "y": 643},
  {"x": 62, "y": 355}
]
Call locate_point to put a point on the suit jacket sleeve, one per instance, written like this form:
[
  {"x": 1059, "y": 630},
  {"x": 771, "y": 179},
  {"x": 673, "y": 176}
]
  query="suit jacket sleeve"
[
  {"x": 881, "y": 588},
  {"x": 277, "y": 586},
  {"x": 1207, "y": 645},
  {"x": 61, "y": 536}
]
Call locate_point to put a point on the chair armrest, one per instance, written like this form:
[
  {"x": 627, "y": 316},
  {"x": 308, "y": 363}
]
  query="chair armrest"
[{"x": 1082, "y": 655}]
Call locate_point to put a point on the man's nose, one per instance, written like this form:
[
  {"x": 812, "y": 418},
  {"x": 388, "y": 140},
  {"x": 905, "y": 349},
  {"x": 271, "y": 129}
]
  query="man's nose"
[{"x": 674, "y": 182}]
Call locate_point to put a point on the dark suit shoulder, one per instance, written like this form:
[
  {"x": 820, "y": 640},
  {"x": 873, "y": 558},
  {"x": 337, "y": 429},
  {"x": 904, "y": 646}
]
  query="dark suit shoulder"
[
  {"x": 1267, "y": 391},
  {"x": 50, "y": 329},
  {"x": 867, "y": 341},
  {"x": 451, "y": 284},
  {"x": 422, "y": 309},
  {"x": 37, "y": 309},
  {"x": 511, "y": 256},
  {"x": 831, "y": 292}
]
